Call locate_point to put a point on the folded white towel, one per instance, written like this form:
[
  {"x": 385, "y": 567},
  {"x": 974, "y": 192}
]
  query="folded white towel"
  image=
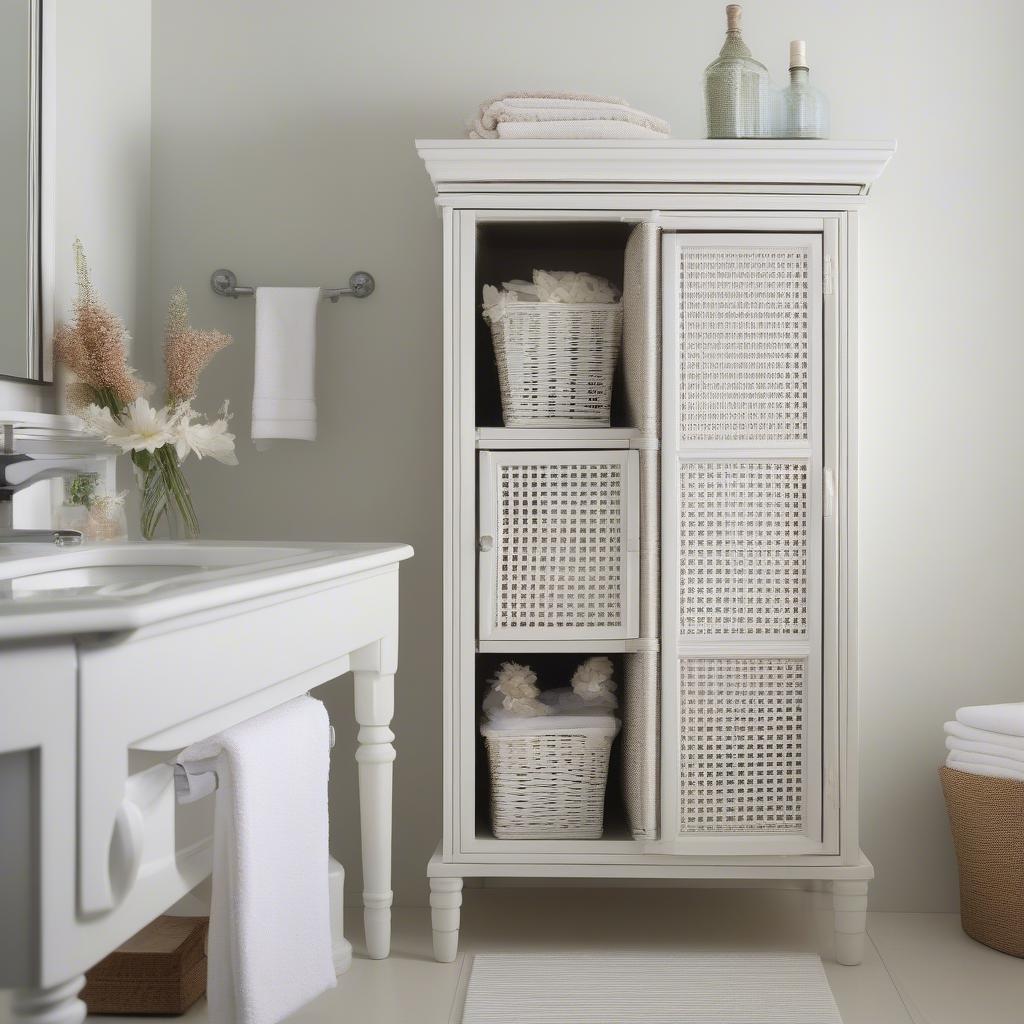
[
  {"x": 995, "y": 750},
  {"x": 496, "y": 116},
  {"x": 986, "y": 769},
  {"x": 283, "y": 398},
  {"x": 486, "y": 121},
  {"x": 982, "y": 735},
  {"x": 1002, "y": 718},
  {"x": 958, "y": 757},
  {"x": 592, "y": 129},
  {"x": 269, "y": 945}
]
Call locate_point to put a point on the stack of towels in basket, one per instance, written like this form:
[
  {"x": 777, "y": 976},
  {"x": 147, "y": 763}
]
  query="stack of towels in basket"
[
  {"x": 987, "y": 740},
  {"x": 563, "y": 115}
]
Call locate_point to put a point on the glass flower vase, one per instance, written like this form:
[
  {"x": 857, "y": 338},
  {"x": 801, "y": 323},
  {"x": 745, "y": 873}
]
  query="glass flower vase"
[{"x": 166, "y": 498}]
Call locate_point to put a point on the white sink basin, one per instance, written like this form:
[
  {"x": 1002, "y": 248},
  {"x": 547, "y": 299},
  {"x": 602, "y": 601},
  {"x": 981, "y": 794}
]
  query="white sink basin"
[{"x": 49, "y": 591}]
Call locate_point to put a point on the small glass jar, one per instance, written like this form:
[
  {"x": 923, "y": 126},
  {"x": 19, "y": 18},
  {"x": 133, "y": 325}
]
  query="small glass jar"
[{"x": 804, "y": 108}]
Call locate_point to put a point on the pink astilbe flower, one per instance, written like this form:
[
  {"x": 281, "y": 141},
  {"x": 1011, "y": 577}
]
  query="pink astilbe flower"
[
  {"x": 187, "y": 351},
  {"x": 95, "y": 343}
]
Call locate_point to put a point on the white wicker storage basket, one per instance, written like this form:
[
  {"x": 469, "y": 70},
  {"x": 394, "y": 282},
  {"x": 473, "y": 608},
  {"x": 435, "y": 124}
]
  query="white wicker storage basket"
[
  {"x": 556, "y": 361},
  {"x": 549, "y": 783}
]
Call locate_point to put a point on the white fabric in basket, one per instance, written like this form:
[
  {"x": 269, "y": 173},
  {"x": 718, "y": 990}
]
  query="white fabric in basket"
[{"x": 606, "y": 724}]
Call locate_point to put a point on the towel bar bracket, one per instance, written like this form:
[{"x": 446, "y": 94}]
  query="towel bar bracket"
[{"x": 225, "y": 283}]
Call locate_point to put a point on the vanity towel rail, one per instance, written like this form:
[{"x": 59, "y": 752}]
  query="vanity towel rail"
[
  {"x": 225, "y": 283},
  {"x": 202, "y": 780}
]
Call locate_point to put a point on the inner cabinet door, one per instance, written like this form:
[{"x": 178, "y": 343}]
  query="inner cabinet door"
[
  {"x": 742, "y": 543},
  {"x": 559, "y": 545}
]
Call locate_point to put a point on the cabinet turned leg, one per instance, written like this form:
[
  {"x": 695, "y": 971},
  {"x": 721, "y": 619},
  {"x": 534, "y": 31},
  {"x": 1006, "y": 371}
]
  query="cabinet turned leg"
[
  {"x": 445, "y": 904},
  {"x": 375, "y": 704},
  {"x": 850, "y": 909},
  {"x": 58, "y": 1004}
]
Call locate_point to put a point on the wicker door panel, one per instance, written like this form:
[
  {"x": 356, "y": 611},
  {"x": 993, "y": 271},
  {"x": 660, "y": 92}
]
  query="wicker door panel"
[
  {"x": 743, "y": 745},
  {"x": 743, "y": 568},
  {"x": 559, "y": 547},
  {"x": 744, "y": 334},
  {"x": 743, "y": 537}
]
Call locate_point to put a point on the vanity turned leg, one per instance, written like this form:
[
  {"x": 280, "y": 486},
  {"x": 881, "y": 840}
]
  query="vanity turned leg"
[
  {"x": 850, "y": 909},
  {"x": 445, "y": 904},
  {"x": 375, "y": 704},
  {"x": 58, "y": 1004},
  {"x": 341, "y": 948}
]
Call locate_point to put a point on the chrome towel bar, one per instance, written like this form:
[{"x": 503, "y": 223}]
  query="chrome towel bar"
[{"x": 225, "y": 283}]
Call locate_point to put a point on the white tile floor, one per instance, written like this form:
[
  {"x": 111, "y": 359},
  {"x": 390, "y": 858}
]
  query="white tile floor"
[{"x": 919, "y": 968}]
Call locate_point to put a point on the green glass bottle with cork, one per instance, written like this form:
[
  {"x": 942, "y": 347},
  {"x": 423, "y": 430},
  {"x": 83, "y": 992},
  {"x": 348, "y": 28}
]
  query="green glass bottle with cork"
[{"x": 739, "y": 97}]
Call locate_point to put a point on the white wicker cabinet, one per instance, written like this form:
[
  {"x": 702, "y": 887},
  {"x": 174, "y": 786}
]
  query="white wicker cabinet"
[{"x": 726, "y": 589}]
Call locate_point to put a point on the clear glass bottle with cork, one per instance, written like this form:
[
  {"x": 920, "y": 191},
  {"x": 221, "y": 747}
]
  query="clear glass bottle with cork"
[
  {"x": 804, "y": 108},
  {"x": 738, "y": 94}
]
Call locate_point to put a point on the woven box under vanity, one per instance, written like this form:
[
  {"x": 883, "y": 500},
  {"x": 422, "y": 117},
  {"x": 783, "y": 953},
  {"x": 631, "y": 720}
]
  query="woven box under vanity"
[
  {"x": 548, "y": 782},
  {"x": 160, "y": 971},
  {"x": 556, "y": 361}
]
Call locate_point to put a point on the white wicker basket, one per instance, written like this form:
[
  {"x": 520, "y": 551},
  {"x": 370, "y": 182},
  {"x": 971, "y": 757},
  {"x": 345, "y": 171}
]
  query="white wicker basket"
[
  {"x": 556, "y": 361},
  {"x": 548, "y": 783}
]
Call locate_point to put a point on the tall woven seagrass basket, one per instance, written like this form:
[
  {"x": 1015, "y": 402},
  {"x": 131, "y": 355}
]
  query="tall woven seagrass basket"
[{"x": 987, "y": 819}]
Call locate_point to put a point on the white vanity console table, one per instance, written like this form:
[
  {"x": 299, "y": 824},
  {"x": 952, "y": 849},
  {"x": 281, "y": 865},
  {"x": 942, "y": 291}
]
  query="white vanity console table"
[
  {"x": 736, "y": 402},
  {"x": 113, "y": 658}
]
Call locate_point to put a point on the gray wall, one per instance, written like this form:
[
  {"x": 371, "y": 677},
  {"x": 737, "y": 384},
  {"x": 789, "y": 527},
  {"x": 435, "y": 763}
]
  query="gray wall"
[{"x": 283, "y": 148}]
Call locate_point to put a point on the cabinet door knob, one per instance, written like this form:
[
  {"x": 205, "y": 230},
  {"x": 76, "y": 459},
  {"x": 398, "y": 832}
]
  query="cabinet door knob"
[{"x": 485, "y": 543}]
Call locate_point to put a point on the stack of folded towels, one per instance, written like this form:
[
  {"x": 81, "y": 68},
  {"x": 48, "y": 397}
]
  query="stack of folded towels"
[
  {"x": 563, "y": 115},
  {"x": 987, "y": 740}
]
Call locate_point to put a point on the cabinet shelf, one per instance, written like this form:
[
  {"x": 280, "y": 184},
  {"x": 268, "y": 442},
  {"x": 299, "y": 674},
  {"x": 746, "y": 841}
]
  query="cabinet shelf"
[
  {"x": 570, "y": 438},
  {"x": 574, "y": 646}
]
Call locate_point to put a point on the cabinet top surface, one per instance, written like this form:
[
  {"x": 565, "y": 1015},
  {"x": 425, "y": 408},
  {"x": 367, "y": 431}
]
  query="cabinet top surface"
[{"x": 463, "y": 164}]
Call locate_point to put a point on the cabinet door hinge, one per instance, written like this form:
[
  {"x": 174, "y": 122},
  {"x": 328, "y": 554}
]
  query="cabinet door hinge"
[{"x": 826, "y": 275}]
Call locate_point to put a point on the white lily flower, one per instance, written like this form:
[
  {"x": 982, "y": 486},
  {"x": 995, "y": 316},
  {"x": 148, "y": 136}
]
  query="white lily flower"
[
  {"x": 140, "y": 428},
  {"x": 97, "y": 419},
  {"x": 207, "y": 439}
]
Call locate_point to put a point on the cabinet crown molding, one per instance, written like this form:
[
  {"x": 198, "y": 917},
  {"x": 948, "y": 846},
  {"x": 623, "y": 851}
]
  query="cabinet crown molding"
[{"x": 456, "y": 165}]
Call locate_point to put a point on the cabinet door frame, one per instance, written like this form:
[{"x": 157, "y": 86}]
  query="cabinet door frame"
[{"x": 823, "y": 735}]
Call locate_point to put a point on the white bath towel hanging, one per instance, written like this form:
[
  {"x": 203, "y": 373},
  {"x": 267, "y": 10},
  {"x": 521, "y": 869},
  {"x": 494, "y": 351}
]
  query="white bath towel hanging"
[
  {"x": 269, "y": 945},
  {"x": 283, "y": 397}
]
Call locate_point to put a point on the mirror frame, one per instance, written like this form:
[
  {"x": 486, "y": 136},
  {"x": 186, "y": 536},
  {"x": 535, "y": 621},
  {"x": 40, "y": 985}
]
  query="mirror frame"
[{"x": 34, "y": 393}]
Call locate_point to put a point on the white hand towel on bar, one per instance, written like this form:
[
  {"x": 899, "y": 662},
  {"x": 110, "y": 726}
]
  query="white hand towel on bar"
[
  {"x": 269, "y": 945},
  {"x": 983, "y": 735},
  {"x": 283, "y": 397},
  {"x": 1003, "y": 718}
]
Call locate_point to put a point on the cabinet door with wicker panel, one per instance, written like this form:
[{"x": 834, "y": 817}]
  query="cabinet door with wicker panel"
[
  {"x": 559, "y": 545},
  {"x": 745, "y": 757}
]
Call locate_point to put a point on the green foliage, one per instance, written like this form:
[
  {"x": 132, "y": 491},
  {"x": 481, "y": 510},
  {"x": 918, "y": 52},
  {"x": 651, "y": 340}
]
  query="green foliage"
[{"x": 82, "y": 488}]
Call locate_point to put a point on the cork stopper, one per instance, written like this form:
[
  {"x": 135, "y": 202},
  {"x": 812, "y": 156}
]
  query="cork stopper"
[
  {"x": 732, "y": 17},
  {"x": 797, "y": 54}
]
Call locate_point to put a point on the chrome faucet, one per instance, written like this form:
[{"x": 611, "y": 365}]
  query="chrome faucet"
[{"x": 18, "y": 471}]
